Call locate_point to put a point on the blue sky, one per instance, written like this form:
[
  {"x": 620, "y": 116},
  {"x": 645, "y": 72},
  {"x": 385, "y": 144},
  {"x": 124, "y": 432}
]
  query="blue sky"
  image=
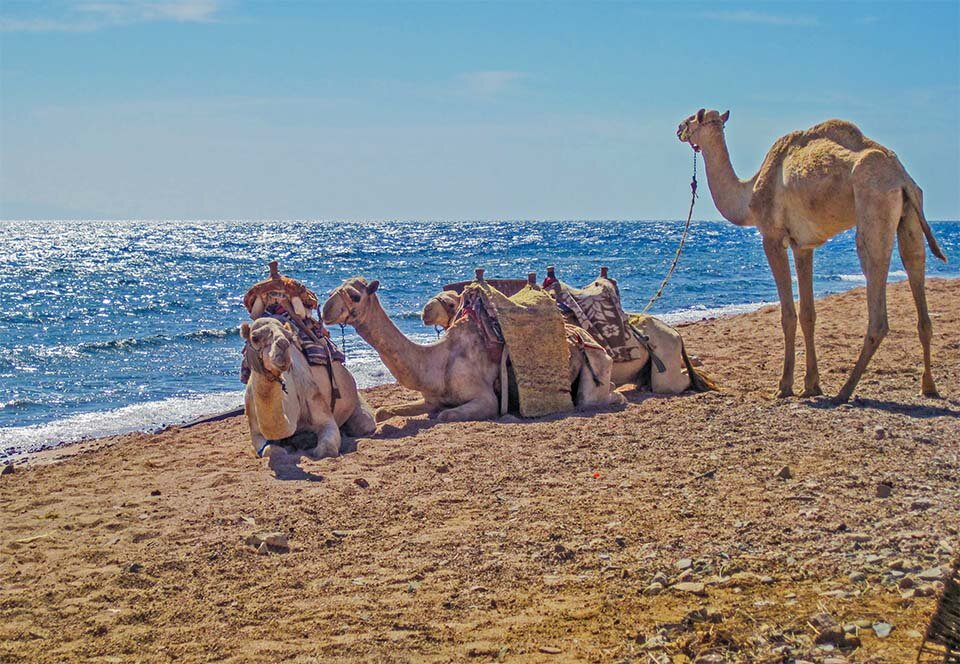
[{"x": 199, "y": 109}]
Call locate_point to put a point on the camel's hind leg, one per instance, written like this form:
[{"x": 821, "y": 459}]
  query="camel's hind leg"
[
  {"x": 484, "y": 407},
  {"x": 780, "y": 266},
  {"x": 594, "y": 387},
  {"x": 877, "y": 216},
  {"x": 913, "y": 253},
  {"x": 803, "y": 259},
  {"x": 361, "y": 422}
]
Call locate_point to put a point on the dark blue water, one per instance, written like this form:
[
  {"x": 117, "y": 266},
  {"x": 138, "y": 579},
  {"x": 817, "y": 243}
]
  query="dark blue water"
[{"x": 110, "y": 326}]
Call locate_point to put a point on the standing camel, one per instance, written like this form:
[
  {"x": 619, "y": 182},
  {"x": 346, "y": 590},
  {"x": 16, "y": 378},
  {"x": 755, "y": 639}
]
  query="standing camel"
[{"x": 811, "y": 186}]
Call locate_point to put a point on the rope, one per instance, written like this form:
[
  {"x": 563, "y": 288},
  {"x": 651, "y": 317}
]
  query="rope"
[
  {"x": 683, "y": 238},
  {"x": 343, "y": 343}
]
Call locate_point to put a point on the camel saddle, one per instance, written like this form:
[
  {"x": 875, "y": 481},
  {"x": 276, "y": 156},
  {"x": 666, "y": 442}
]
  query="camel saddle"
[{"x": 596, "y": 308}]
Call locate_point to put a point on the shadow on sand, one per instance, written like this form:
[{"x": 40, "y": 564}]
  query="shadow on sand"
[{"x": 916, "y": 410}]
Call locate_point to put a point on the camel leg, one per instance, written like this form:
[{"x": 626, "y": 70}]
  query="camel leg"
[
  {"x": 595, "y": 392},
  {"x": 406, "y": 409},
  {"x": 803, "y": 259},
  {"x": 328, "y": 439},
  {"x": 875, "y": 230},
  {"x": 361, "y": 422},
  {"x": 780, "y": 267},
  {"x": 482, "y": 408},
  {"x": 913, "y": 253}
]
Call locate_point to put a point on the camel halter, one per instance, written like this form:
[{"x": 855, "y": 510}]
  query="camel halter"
[
  {"x": 255, "y": 362},
  {"x": 683, "y": 238}
]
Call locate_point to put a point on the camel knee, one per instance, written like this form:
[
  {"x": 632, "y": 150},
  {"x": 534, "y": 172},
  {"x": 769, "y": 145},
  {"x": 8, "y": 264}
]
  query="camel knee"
[{"x": 925, "y": 329}]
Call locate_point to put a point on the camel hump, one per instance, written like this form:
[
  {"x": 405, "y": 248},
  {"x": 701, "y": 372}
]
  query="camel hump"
[{"x": 842, "y": 132}]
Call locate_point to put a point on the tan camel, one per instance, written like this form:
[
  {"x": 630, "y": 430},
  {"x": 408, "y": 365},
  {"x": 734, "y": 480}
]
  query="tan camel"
[
  {"x": 811, "y": 186},
  {"x": 285, "y": 395},
  {"x": 456, "y": 375},
  {"x": 674, "y": 379}
]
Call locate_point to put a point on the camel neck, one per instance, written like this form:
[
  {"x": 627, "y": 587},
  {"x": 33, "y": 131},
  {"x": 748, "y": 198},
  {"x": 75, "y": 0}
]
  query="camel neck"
[
  {"x": 730, "y": 194},
  {"x": 406, "y": 360},
  {"x": 274, "y": 411}
]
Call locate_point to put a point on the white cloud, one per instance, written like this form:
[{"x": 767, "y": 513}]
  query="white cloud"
[
  {"x": 763, "y": 18},
  {"x": 89, "y": 16},
  {"x": 489, "y": 83}
]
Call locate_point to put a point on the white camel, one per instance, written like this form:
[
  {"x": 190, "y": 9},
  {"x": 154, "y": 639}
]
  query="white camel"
[{"x": 285, "y": 395}]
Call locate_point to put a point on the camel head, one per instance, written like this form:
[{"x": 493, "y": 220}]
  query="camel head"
[
  {"x": 697, "y": 125},
  {"x": 349, "y": 302},
  {"x": 271, "y": 341},
  {"x": 440, "y": 309}
]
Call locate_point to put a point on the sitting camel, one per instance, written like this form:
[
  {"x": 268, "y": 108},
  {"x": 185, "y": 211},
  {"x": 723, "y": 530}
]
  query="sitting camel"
[
  {"x": 285, "y": 395},
  {"x": 672, "y": 374},
  {"x": 456, "y": 374},
  {"x": 811, "y": 186}
]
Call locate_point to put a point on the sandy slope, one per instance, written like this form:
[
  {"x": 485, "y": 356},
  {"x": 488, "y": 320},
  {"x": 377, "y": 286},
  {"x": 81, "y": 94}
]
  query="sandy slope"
[{"x": 529, "y": 541}]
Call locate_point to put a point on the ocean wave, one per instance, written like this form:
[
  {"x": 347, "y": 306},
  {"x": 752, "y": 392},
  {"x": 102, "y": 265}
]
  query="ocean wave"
[
  {"x": 221, "y": 333},
  {"x": 16, "y": 403},
  {"x": 151, "y": 416},
  {"x": 696, "y": 313},
  {"x": 859, "y": 278}
]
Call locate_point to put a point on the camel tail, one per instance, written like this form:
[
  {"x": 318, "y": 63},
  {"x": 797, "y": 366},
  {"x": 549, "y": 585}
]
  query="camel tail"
[
  {"x": 699, "y": 381},
  {"x": 915, "y": 199}
]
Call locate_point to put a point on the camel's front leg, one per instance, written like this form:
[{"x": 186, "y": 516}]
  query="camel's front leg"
[
  {"x": 780, "y": 266},
  {"x": 803, "y": 258},
  {"x": 482, "y": 408},
  {"x": 406, "y": 409},
  {"x": 328, "y": 439}
]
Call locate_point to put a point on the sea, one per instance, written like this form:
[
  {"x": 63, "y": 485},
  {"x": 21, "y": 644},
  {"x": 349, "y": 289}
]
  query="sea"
[{"x": 108, "y": 327}]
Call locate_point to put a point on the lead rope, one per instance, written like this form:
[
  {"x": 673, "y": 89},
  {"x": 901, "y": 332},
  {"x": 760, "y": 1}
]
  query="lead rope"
[
  {"x": 343, "y": 343},
  {"x": 683, "y": 238}
]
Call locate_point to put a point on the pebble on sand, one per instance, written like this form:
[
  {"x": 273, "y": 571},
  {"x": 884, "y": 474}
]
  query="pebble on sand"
[
  {"x": 785, "y": 473},
  {"x": 690, "y": 587},
  {"x": 884, "y": 489}
]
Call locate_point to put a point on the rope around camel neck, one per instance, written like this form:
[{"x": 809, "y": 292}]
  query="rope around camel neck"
[{"x": 683, "y": 238}]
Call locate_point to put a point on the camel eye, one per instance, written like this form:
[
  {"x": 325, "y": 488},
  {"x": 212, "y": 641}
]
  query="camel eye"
[{"x": 355, "y": 297}]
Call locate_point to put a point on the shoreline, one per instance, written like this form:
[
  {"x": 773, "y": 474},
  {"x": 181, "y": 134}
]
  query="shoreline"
[{"x": 679, "y": 319}]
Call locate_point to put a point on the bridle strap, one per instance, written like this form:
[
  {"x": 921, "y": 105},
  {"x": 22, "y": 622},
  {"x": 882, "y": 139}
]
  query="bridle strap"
[{"x": 255, "y": 362}]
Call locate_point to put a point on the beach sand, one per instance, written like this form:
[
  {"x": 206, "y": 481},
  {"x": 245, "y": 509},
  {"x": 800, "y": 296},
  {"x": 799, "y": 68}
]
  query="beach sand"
[{"x": 525, "y": 541}]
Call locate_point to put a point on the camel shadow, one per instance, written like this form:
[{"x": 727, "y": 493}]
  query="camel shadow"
[
  {"x": 414, "y": 425},
  {"x": 918, "y": 411},
  {"x": 288, "y": 468}
]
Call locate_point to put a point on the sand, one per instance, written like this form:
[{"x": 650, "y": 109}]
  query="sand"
[{"x": 521, "y": 541}]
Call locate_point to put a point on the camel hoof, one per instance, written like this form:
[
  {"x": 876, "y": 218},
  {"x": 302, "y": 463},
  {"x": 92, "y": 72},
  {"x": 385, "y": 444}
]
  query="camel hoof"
[
  {"x": 814, "y": 391},
  {"x": 278, "y": 458},
  {"x": 324, "y": 452},
  {"x": 382, "y": 414},
  {"x": 784, "y": 393},
  {"x": 840, "y": 399},
  {"x": 931, "y": 394}
]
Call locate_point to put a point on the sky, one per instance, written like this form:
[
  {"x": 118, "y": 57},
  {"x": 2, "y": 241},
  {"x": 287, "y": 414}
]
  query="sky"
[{"x": 224, "y": 109}]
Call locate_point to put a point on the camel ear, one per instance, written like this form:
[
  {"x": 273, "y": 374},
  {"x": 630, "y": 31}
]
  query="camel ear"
[
  {"x": 372, "y": 287},
  {"x": 700, "y": 114},
  {"x": 725, "y": 117},
  {"x": 245, "y": 331}
]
